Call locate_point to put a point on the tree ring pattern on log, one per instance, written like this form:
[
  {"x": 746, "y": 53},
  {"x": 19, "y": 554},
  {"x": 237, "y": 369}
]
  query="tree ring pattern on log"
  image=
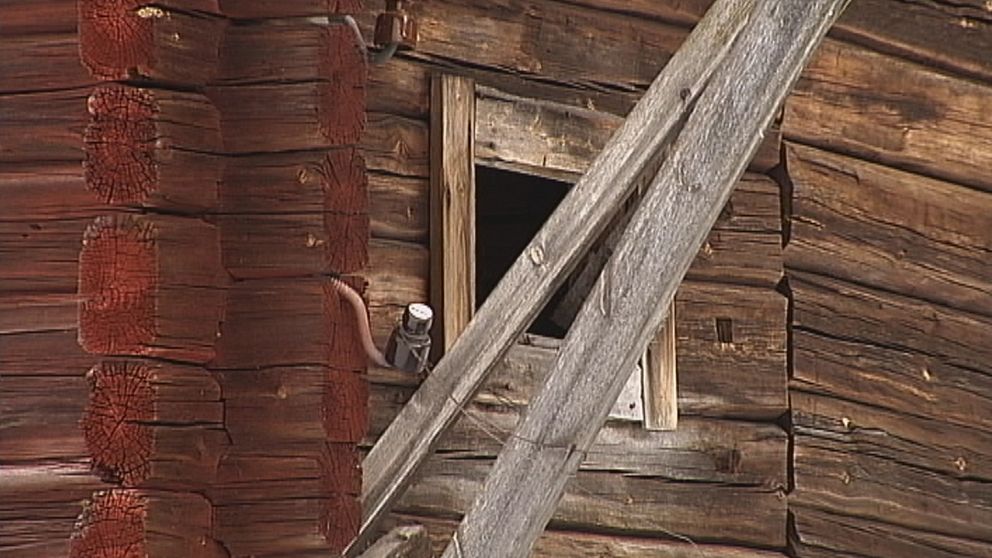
[
  {"x": 111, "y": 525},
  {"x": 117, "y": 280},
  {"x": 115, "y": 36},
  {"x": 120, "y": 142},
  {"x": 115, "y": 424}
]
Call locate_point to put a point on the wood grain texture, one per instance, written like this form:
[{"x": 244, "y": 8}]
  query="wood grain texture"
[
  {"x": 660, "y": 378},
  {"x": 897, "y": 113},
  {"x": 409, "y": 541},
  {"x": 892, "y": 230},
  {"x": 536, "y": 275},
  {"x": 615, "y": 324},
  {"x": 452, "y": 203}
]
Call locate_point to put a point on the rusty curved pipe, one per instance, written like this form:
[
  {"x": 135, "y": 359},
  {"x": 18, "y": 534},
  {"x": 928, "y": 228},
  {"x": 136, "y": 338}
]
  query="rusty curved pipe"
[{"x": 362, "y": 316}]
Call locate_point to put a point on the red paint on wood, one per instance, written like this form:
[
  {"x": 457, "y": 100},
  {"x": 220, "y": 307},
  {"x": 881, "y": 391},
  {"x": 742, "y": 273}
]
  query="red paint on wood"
[
  {"x": 343, "y": 98},
  {"x": 344, "y": 521},
  {"x": 347, "y": 211},
  {"x": 120, "y": 140},
  {"x": 117, "y": 280},
  {"x": 343, "y": 467},
  {"x": 115, "y": 425},
  {"x": 346, "y": 416},
  {"x": 111, "y": 526}
]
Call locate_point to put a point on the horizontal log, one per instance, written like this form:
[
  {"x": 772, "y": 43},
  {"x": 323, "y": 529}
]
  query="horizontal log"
[
  {"x": 39, "y": 504},
  {"x": 150, "y": 286},
  {"x": 554, "y": 544},
  {"x": 154, "y": 425},
  {"x": 252, "y": 475},
  {"x": 40, "y": 62},
  {"x": 296, "y": 409},
  {"x": 47, "y": 353},
  {"x": 898, "y": 113},
  {"x": 907, "y": 382},
  {"x": 954, "y": 452},
  {"x": 258, "y": 9},
  {"x": 396, "y": 145},
  {"x": 150, "y": 523},
  {"x": 701, "y": 450},
  {"x": 288, "y": 527},
  {"x": 398, "y": 207},
  {"x": 820, "y": 534},
  {"x": 125, "y": 40},
  {"x": 287, "y": 323},
  {"x": 595, "y": 501},
  {"x": 891, "y": 230},
  {"x": 556, "y": 140},
  {"x": 41, "y": 418},
  {"x": 835, "y": 475},
  {"x": 22, "y": 17},
  {"x": 866, "y": 315},
  {"x": 21, "y": 313}
]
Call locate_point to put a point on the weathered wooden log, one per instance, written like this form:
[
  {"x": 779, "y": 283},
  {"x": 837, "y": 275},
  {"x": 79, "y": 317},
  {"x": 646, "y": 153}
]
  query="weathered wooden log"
[
  {"x": 295, "y": 116},
  {"x": 150, "y": 286},
  {"x": 398, "y": 207},
  {"x": 46, "y": 353},
  {"x": 24, "y": 313},
  {"x": 396, "y": 145},
  {"x": 889, "y": 229},
  {"x": 844, "y": 470},
  {"x": 301, "y": 525},
  {"x": 150, "y": 148},
  {"x": 41, "y": 417},
  {"x": 555, "y": 544},
  {"x": 701, "y": 450},
  {"x": 43, "y": 126},
  {"x": 258, "y": 9},
  {"x": 887, "y": 377},
  {"x": 897, "y": 113},
  {"x": 408, "y": 541},
  {"x": 22, "y": 17},
  {"x": 837, "y": 308},
  {"x": 124, "y": 39},
  {"x": 154, "y": 425},
  {"x": 299, "y": 408},
  {"x": 288, "y": 323},
  {"x": 822, "y": 534},
  {"x": 145, "y": 523},
  {"x": 259, "y": 476},
  {"x": 39, "y": 504},
  {"x": 40, "y": 62},
  {"x": 558, "y": 141},
  {"x": 597, "y": 501},
  {"x": 298, "y": 214}
]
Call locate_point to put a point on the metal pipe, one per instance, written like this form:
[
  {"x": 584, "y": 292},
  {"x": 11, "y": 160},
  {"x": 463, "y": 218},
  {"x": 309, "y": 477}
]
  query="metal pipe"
[{"x": 362, "y": 316}]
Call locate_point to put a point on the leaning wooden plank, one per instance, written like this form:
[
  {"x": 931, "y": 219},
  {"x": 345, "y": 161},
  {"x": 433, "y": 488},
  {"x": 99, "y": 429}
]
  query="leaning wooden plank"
[
  {"x": 627, "y": 160},
  {"x": 407, "y": 541},
  {"x": 894, "y": 230},
  {"x": 898, "y": 113},
  {"x": 614, "y": 326},
  {"x": 453, "y": 207}
]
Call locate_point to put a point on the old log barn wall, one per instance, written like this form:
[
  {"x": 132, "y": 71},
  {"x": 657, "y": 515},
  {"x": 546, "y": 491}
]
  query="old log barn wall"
[{"x": 179, "y": 182}]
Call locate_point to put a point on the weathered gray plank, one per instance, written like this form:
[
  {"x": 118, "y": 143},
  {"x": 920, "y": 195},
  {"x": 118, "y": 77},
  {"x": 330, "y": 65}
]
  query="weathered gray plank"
[
  {"x": 623, "y": 311},
  {"x": 409, "y": 541},
  {"x": 537, "y": 273}
]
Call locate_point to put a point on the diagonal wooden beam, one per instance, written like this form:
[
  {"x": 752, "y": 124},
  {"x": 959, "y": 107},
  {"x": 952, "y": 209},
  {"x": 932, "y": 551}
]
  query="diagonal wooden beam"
[
  {"x": 631, "y": 158},
  {"x": 627, "y": 305}
]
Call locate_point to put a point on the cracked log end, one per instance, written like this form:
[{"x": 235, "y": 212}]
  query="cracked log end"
[
  {"x": 115, "y": 423},
  {"x": 115, "y": 36},
  {"x": 111, "y": 526},
  {"x": 345, "y": 407},
  {"x": 120, "y": 143},
  {"x": 117, "y": 284}
]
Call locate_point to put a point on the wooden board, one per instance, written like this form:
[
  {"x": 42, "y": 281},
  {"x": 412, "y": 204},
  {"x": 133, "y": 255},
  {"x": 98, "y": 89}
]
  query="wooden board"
[
  {"x": 898, "y": 113},
  {"x": 891, "y": 230}
]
